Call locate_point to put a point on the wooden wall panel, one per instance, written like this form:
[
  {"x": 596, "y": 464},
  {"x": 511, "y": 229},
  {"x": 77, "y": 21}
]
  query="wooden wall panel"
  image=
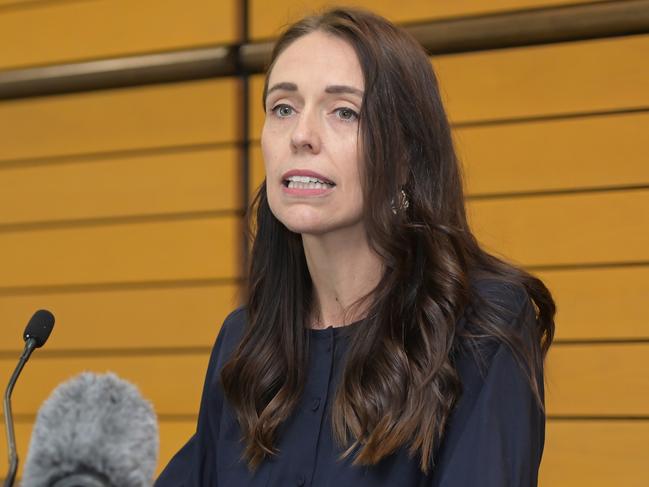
[
  {"x": 124, "y": 318},
  {"x": 256, "y": 109},
  {"x": 579, "y": 228},
  {"x": 547, "y": 80},
  {"x": 600, "y": 303},
  {"x": 595, "y": 453},
  {"x": 166, "y": 115},
  {"x": 561, "y": 154},
  {"x": 257, "y": 172},
  {"x": 267, "y": 18},
  {"x": 598, "y": 380},
  {"x": 116, "y": 186},
  {"x": 171, "y": 381},
  {"x": 196, "y": 248},
  {"x": 54, "y": 32}
]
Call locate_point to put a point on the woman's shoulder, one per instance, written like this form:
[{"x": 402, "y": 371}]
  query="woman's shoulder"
[
  {"x": 235, "y": 321},
  {"x": 229, "y": 334},
  {"x": 506, "y": 298},
  {"x": 499, "y": 313},
  {"x": 505, "y": 305}
]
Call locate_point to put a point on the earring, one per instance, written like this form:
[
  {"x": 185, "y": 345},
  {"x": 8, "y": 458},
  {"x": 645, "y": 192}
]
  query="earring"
[{"x": 403, "y": 203}]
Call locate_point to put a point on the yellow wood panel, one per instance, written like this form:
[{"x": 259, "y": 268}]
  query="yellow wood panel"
[
  {"x": 557, "y": 154},
  {"x": 598, "y": 380},
  {"x": 98, "y": 29},
  {"x": 173, "y": 435},
  {"x": 164, "y": 115},
  {"x": 172, "y": 382},
  {"x": 257, "y": 172},
  {"x": 562, "y": 78},
  {"x": 122, "y": 318},
  {"x": 546, "y": 80},
  {"x": 580, "y": 228},
  {"x": 267, "y": 18},
  {"x": 600, "y": 303},
  {"x": 256, "y": 109},
  {"x": 148, "y": 183},
  {"x": 23, "y": 431},
  {"x": 199, "y": 248},
  {"x": 596, "y": 454}
]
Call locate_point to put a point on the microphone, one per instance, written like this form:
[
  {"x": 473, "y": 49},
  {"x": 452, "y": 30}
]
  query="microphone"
[
  {"x": 95, "y": 430},
  {"x": 35, "y": 335}
]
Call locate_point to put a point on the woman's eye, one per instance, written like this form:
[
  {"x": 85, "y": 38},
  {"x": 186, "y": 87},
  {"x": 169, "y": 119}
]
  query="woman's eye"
[
  {"x": 347, "y": 114},
  {"x": 282, "y": 111}
]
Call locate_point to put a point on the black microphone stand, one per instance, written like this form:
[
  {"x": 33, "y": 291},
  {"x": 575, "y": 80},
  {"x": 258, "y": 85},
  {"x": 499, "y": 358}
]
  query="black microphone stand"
[{"x": 30, "y": 345}]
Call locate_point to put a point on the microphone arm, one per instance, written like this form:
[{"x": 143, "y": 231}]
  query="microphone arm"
[{"x": 30, "y": 345}]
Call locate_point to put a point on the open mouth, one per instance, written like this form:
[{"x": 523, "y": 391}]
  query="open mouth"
[{"x": 307, "y": 182}]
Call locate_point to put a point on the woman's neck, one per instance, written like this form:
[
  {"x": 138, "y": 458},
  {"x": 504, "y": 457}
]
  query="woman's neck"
[{"x": 343, "y": 268}]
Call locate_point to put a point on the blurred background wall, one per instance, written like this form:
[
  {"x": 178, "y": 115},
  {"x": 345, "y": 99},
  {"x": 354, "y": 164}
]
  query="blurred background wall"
[{"x": 129, "y": 146}]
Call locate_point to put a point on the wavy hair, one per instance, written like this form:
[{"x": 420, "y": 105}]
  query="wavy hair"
[{"x": 399, "y": 383}]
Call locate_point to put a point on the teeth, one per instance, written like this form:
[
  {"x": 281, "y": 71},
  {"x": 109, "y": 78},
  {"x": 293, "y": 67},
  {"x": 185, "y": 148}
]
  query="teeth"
[
  {"x": 301, "y": 185},
  {"x": 306, "y": 179}
]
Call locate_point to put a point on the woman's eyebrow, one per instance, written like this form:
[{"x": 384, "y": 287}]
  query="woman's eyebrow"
[
  {"x": 331, "y": 89},
  {"x": 338, "y": 89},
  {"x": 282, "y": 86}
]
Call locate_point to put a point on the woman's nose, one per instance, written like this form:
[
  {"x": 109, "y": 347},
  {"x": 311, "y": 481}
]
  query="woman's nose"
[{"x": 306, "y": 133}]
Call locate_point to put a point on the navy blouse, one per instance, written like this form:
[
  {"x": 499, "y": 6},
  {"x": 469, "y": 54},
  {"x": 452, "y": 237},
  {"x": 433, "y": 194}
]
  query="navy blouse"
[{"x": 494, "y": 437}]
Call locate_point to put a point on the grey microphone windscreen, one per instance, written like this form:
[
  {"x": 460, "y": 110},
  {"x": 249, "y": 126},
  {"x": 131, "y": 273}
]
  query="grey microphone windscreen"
[{"x": 97, "y": 425}]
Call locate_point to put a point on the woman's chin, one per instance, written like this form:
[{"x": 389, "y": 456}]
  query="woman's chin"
[
  {"x": 322, "y": 228},
  {"x": 310, "y": 228},
  {"x": 304, "y": 219}
]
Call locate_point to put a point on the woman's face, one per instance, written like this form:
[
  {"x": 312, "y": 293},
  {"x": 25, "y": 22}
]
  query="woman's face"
[{"x": 310, "y": 136}]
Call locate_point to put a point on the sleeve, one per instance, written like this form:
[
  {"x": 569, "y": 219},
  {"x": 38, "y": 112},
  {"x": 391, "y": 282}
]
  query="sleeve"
[
  {"x": 501, "y": 437},
  {"x": 194, "y": 464}
]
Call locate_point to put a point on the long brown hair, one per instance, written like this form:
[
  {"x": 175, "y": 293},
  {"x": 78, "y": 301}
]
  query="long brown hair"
[{"x": 399, "y": 383}]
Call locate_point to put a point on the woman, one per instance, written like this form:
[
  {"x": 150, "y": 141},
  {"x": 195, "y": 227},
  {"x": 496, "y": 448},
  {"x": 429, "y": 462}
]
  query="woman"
[{"x": 380, "y": 345}]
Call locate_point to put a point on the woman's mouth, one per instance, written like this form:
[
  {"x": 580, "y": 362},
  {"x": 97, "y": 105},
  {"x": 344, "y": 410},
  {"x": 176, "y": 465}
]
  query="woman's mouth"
[{"x": 306, "y": 186}]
